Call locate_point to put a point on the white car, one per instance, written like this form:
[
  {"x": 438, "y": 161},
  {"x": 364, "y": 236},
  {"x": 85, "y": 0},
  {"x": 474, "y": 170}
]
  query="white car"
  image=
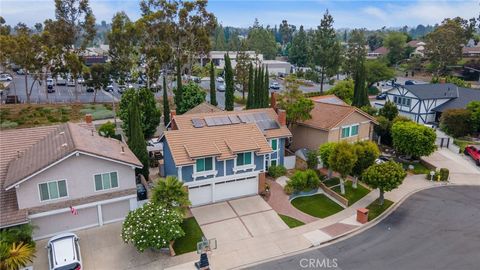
[
  {"x": 64, "y": 252},
  {"x": 5, "y": 77},
  {"x": 71, "y": 83},
  {"x": 109, "y": 88},
  {"x": 61, "y": 81},
  {"x": 154, "y": 145},
  {"x": 221, "y": 87},
  {"x": 220, "y": 79},
  {"x": 80, "y": 80}
]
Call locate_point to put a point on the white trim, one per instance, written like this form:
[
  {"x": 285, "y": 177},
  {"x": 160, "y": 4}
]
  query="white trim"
[
  {"x": 221, "y": 179},
  {"x": 100, "y": 215},
  {"x": 179, "y": 173},
  {"x": 101, "y": 175},
  {"x": 349, "y": 130},
  {"x": 49, "y": 200},
  {"x": 213, "y": 171},
  {"x": 70, "y": 230},
  {"x": 82, "y": 206},
  {"x": 224, "y": 167},
  {"x": 62, "y": 159},
  {"x": 251, "y": 166},
  {"x": 113, "y": 220}
]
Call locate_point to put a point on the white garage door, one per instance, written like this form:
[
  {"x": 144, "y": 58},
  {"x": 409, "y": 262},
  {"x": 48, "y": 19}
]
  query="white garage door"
[
  {"x": 236, "y": 188},
  {"x": 200, "y": 194}
]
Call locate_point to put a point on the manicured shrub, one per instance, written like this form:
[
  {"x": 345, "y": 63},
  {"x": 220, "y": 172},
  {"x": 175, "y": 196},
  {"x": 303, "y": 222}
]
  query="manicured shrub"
[
  {"x": 312, "y": 159},
  {"x": 302, "y": 181},
  {"x": 444, "y": 173},
  {"x": 8, "y": 124},
  {"x": 277, "y": 171}
]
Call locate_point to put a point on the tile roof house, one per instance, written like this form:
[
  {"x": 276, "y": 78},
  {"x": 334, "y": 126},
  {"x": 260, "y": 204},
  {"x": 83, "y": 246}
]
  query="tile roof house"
[
  {"x": 46, "y": 170},
  {"x": 223, "y": 155},
  {"x": 424, "y": 103},
  {"x": 332, "y": 121},
  {"x": 204, "y": 107}
]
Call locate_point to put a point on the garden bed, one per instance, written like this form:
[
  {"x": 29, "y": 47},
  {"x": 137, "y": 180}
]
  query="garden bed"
[
  {"x": 332, "y": 182},
  {"x": 193, "y": 235},
  {"x": 291, "y": 222},
  {"x": 418, "y": 168},
  {"x": 318, "y": 205},
  {"x": 352, "y": 194},
  {"x": 375, "y": 209}
]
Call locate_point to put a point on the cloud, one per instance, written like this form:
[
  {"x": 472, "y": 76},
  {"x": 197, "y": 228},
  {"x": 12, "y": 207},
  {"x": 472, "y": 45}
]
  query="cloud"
[{"x": 376, "y": 12}]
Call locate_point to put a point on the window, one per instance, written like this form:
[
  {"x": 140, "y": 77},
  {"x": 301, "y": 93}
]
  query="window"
[
  {"x": 354, "y": 130},
  {"x": 274, "y": 144},
  {"x": 349, "y": 131},
  {"x": 204, "y": 164},
  {"x": 53, "y": 190},
  {"x": 402, "y": 101},
  {"x": 345, "y": 132},
  {"x": 244, "y": 159},
  {"x": 106, "y": 181}
]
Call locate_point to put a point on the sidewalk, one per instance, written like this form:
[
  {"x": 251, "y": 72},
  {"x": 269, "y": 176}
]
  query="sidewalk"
[{"x": 281, "y": 243}]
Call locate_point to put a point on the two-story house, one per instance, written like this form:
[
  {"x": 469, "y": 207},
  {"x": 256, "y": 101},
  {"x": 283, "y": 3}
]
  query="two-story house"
[
  {"x": 223, "y": 155},
  {"x": 64, "y": 178},
  {"x": 424, "y": 103}
]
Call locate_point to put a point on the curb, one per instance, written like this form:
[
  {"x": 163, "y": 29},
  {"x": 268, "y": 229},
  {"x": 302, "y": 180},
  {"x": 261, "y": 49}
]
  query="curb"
[{"x": 355, "y": 231}]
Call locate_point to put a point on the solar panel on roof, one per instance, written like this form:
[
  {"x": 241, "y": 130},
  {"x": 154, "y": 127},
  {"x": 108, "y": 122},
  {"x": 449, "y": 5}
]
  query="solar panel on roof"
[
  {"x": 250, "y": 118},
  {"x": 225, "y": 120},
  {"x": 243, "y": 118},
  {"x": 197, "y": 122},
  {"x": 210, "y": 121},
  {"x": 267, "y": 125},
  {"x": 264, "y": 116},
  {"x": 234, "y": 119}
]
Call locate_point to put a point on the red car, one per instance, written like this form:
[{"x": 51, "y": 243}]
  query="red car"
[{"x": 474, "y": 152}]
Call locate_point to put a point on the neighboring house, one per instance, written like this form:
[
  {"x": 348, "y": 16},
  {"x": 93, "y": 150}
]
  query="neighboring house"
[
  {"x": 276, "y": 67},
  {"x": 379, "y": 52},
  {"x": 204, "y": 107},
  {"x": 218, "y": 58},
  {"x": 471, "y": 51},
  {"x": 44, "y": 171},
  {"x": 223, "y": 155},
  {"x": 424, "y": 103},
  {"x": 419, "y": 48},
  {"x": 332, "y": 121}
]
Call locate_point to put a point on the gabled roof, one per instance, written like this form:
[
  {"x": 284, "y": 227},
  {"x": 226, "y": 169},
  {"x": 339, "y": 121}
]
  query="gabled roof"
[
  {"x": 204, "y": 108},
  {"x": 223, "y": 142},
  {"x": 432, "y": 90},
  {"x": 60, "y": 143},
  {"x": 327, "y": 115},
  {"x": 465, "y": 95},
  {"x": 381, "y": 50}
]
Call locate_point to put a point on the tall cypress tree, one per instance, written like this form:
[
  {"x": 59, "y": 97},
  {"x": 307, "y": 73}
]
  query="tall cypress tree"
[
  {"x": 251, "y": 94},
  {"x": 213, "y": 92},
  {"x": 229, "y": 89},
  {"x": 136, "y": 142},
  {"x": 179, "y": 92},
  {"x": 261, "y": 89},
  {"x": 360, "y": 94},
  {"x": 256, "y": 101},
  {"x": 166, "y": 106},
  {"x": 266, "y": 88}
]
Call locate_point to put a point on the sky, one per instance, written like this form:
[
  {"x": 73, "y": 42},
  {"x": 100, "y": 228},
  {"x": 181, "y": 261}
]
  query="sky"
[{"x": 371, "y": 14}]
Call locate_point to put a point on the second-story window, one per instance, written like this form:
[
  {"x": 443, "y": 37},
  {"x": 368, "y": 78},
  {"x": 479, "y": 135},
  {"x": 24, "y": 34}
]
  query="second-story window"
[
  {"x": 244, "y": 159},
  {"x": 204, "y": 164},
  {"x": 274, "y": 144},
  {"x": 106, "y": 181},
  {"x": 53, "y": 190}
]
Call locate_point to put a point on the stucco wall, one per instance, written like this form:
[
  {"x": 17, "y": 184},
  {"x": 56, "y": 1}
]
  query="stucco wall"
[
  {"x": 364, "y": 130},
  {"x": 307, "y": 137},
  {"x": 79, "y": 174}
]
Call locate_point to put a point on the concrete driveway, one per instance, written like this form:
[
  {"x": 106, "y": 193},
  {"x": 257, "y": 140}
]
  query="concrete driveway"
[{"x": 238, "y": 219}]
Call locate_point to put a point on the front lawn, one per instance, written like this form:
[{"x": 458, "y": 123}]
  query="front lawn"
[
  {"x": 418, "y": 167},
  {"x": 291, "y": 222},
  {"x": 332, "y": 182},
  {"x": 375, "y": 209},
  {"x": 317, "y": 205},
  {"x": 352, "y": 194},
  {"x": 193, "y": 235}
]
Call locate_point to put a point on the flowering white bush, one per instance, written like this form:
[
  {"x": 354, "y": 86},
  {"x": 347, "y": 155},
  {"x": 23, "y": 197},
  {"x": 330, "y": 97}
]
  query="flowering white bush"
[{"x": 152, "y": 226}]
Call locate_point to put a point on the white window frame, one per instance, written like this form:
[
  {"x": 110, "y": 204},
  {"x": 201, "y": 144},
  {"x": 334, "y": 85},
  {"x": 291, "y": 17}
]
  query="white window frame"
[
  {"x": 105, "y": 189},
  {"x": 252, "y": 166},
  {"x": 213, "y": 171},
  {"x": 349, "y": 131},
  {"x": 56, "y": 181}
]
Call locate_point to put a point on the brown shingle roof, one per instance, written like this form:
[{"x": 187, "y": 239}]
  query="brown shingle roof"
[
  {"x": 203, "y": 108},
  {"x": 221, "y": 141},
  {"x": 326, "y": 116},
  {"x": 27, "y": 151},
  {"x": 185, "y": 121}
]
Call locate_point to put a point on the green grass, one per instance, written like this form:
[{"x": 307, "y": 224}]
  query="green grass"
[
  {"x": 317, "y": 205},
  {"x": 332, "y": 182},
  {"x": 418, "y": 167},
  {"x": 291, "y": 222},
  {"x": 352, "y": 194},
  {"x": 193, "y": 235},
  {"x": 375, "y": 209}
]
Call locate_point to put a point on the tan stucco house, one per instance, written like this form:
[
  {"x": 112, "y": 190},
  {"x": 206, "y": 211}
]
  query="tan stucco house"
[
  {"x": 332, "y": 121},
  {"x": 47, "y": 171}
]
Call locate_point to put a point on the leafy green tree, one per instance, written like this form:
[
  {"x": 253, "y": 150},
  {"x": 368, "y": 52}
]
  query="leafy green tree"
[
  {"x": 474, "y": 108},
  {"x": 171, "y": 193},
  {"x": 179, "y": 89},
  {"x": 375, "y": 40},
  {"x": 166, "y": 104},
  {"x": 383, "y": 129},
  {"x": 456, "y": 122},
  {"x": 286, "y": 32},
  {"x": 342, "y": 160},
  {"x": 152, "y": 226},
  {"x": 389, "y": 110},
  {"x": 107, "y": 130},
  {"x": 386, "y": 177},
  {"x": 396, "y": 43},
  {"x": 450, "y": 79},
  {"x": 343, "y": 90},
  {"x": 356, "y": 66},
  {"x": 136, "y": 140},
  {"x": 325, "y": 150},
  {"x": 251, "y": 91},
  {"x": 377, "y": 71},
  {"x": 297, "y": 106},
  {"x": 99, "y": 78},
  {"x": 262, "y": 40},
  {"x": 312, "y": 159},
  {"x": 213, "y": 91},
  {"x": 412, "y": 139},
  {"x": 193, "y": 95},
  {"x": 242, "y": 69},
  {"x": 229, "y": 84},
  {"x": 16, "y": 255},
  {"x": 326, "y": 48},
  {"x": 220, "y": 43},
  {"x": 298, "y": 54},
  {"x": 367, "y": 152}
]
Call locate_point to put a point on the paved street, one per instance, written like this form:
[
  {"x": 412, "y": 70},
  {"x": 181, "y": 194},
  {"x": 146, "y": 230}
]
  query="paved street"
[{"x": 434, "y": 229}]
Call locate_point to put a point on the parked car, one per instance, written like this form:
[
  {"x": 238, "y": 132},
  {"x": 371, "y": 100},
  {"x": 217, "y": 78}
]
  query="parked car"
[
  {"x": 12, "y": 99},
  {"x": 275, "y": 86},
  {"x": 121, "y": 89},
  {"x": 71, "y": 83},
  {"x": 61, "y": 81},
  {"x": 21, "y": 72},
  {"x": 109, "y": 88},
  {"x": 381, "y": 96},
  {"x": 141, "y": 192},
  {"x": 381, "y": 159},
  {"x": 474, "y": 152},
  {"x": 5, "y": 77},
  {"x": 64, "y": 252},
  {"x": 130, "y": 86},
  {"x": 90, "y": 89},
  {"x": 220, "y": 80},
  {"x": 154, "y": 145},
  {"x": 410, "y": 82},
  {"x": 221, "y": 87},
  {"x": 80, "y": 80}
]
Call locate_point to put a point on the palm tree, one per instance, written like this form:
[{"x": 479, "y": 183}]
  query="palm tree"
[
  {"x": 14, "y": 256},
  {"x": 171, "y": 193}
]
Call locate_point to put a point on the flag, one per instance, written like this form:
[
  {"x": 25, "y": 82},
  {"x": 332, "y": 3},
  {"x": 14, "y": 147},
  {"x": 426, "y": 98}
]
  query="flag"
[{"x": 73, "y": 211}]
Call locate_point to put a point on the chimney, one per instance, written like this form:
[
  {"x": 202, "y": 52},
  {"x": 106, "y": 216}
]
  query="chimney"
[
  {"x": 173, "y": 126},
  {"x": 123, "y": 150},
  {"x": 273, "y": 101},
  {"x": 88, "y": 118},
  {"x": 282, "y": 117},
  {"x": 172, "y": 114}
]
